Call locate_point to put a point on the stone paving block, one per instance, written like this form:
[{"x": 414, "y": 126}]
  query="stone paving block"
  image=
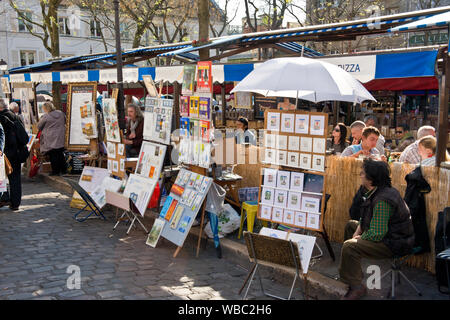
[
  {"x": 46, "y": 291},
  {"x": 109, "y": 294},
  {"x": 71, "y": 294},
  {"x": 21, "y": 296}
]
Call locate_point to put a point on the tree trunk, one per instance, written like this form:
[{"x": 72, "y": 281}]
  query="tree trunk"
[
  {"x": 54, "y": 37},
  {"x": 203, "y": 26}
]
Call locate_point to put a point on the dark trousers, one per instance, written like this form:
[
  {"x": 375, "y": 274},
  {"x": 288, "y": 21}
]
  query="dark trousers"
[
  {"x": 57, "y": 160},
  {"x": 14, "y": 196}
]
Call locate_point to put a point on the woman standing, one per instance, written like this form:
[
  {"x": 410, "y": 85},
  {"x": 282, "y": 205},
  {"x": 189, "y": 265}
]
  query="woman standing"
[
  {"x": 52, "y": 125},
  {"x": 135, "y": 131},
  {"x": 338, "y": 142}
]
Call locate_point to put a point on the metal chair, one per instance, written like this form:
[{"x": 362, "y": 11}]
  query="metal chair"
[{"x": 396, "y": 272}]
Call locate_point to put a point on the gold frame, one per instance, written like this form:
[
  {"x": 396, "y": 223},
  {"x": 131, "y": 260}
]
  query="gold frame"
[{"x": 71, "y": 88}]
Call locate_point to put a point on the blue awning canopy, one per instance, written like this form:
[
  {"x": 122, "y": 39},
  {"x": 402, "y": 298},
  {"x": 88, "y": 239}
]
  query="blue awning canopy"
[{"x": 439, "y": 20}]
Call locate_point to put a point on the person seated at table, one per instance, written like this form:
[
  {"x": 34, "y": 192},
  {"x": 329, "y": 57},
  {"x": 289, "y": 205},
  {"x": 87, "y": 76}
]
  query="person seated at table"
[
  {"x": 286, "y": 105},
  {"x": 338, "y": 142},
  {"x": 404, "y": 138},
  {"x": 384, "y": 229},
  {"x": 243, "y": 134},
  {"x": 135, "y": 131},
  {"x": 411, "y": 153},
  {"x": 367, "y": 146},
  {"x": 356, "y": 129},
  {"x": 427, "y": 151},
  {"x": 371, "y": 121}
]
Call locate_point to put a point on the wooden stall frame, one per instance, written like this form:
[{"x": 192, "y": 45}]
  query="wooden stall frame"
[
  {"x": 71, "y": 87},
  {"x": 288, "y": 168}
]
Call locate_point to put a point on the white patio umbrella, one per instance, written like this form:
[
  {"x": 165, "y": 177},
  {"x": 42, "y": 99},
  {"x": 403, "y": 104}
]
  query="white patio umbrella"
[{"x": 303, "y": 78}]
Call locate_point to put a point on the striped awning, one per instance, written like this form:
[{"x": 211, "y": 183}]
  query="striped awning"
[{"x": 439, "y": 20}]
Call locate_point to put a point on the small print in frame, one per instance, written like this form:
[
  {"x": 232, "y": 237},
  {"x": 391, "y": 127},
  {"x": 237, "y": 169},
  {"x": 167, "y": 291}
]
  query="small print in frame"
[
  {"x": 306, "y": 144},
  {"x": 287, "y": 122},
  {"x": 281, "y": 198},
  {"x": 267, "y": 196},
  {"x": 281, "y": 158},
  {"x": 317, "y": 125},
  {"x": 277, "y": 215},
  {"x": 270, "y": 156},
  {"x": 293, "y": 159},
  {"x": 294, "y": 143},
  {"x": 281, "y": 142},
  {"x": 294, "y": 200},
  {"x": 270, "y": 141},
  {"x": 318, "y": 163},
  {"x": 319, "y": 145},
  {"x": 313, "y": 221},
  {"x": 270, "y": 177},
  {"x": 305, "y": 161},
  {"x": 297, "y": 181},
  {"x": 283, "y": 179},
  {"x": 302, "y": 123},
  {"x": 289, "y": 217},
  {"x": 266, "y": 212},
  {"x": 300, "y": 219},
  {"x": 273, "y": 121}
]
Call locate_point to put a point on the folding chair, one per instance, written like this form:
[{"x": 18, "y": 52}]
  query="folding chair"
[{"x": 272, "y": 250}]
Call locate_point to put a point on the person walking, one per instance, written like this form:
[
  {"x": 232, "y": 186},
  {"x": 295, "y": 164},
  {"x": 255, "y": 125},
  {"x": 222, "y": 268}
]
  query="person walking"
[
  {"x": 53, "y": 126},
  {"x": 15, "y": 148}
]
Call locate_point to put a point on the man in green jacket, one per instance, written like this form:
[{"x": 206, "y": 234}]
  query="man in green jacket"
[{"x": 384, "y": 230}]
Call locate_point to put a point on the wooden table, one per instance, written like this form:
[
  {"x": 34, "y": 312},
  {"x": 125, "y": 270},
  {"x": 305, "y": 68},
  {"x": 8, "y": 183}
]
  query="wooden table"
[{"x": 229, "y": 184}]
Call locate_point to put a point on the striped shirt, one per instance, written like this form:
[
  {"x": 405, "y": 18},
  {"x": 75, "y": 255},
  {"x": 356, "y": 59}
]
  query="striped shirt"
[
  {"x": 354, "y": 148},
  {"x": 429, "y": 162},
  {"x": 378, "y": 228},
  {"x": 411, "y": 154}
]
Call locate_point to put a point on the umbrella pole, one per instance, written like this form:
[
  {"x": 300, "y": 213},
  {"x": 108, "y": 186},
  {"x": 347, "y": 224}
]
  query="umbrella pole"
[{"x": 296, "y": 100}]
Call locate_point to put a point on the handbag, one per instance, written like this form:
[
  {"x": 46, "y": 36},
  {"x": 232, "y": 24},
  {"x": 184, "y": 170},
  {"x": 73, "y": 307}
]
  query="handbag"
[{"x": 8, "y": 167}]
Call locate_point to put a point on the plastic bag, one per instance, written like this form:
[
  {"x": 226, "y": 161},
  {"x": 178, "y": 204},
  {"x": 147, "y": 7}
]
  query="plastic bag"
[
  {"x": 229, "y": 221},
  {"x": 215, "y": 199}
]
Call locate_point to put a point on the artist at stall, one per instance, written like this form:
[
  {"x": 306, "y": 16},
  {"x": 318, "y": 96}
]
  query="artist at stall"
[
  {"x": 135, "y": 131},
  {"x": 243, "y": 134},
  {"x": 384, "y": 229}
]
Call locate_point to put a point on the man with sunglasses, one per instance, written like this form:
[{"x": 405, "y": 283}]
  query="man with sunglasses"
[{"x": 404, "y": 138}]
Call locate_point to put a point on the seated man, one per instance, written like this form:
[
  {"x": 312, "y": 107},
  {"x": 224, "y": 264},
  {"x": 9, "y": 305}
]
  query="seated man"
[
  {"x": 135, "y": 131},
  {"x": 384, "y": 229},
  {"x": 404, "y": 138},
  {"x": 366, "y": 147},
  {"x": 411, "y": 153},
  {"x": 356, "y": 129},
  {"x": 371, "y": 121}
]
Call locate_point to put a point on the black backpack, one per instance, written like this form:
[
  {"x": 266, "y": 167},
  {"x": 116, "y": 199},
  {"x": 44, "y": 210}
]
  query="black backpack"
[{"x": 22, "y": 141}]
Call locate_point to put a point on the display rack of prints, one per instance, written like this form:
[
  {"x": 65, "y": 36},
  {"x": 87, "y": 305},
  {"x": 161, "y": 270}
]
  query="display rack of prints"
[
  {"x": 111, "y": 121},
  {"x": 293, "y": 175},
  {"x": 151, "y": 159},
  {"x": 116, "y": 158},
  {"x": 158, "y": 120},
  {"x": 182, "y": 205}
]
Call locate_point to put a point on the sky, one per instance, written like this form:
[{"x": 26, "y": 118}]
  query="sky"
[{"x": 241, "y": 10}]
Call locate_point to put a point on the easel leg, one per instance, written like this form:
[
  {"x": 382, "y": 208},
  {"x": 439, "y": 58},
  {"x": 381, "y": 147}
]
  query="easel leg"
[
  {"x": 246, "y": 280},
  {"x": 176, "y": 252},
  {"x": 118, "y": 220},
  {"x": 327, "y": 243},
  {"x": 200, "y": 235},
  {"x": 250, "y": 281}
]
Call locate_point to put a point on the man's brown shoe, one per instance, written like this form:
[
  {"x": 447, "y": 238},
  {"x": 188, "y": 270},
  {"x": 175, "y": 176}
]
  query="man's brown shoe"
[{"x": 355, "y": 293}]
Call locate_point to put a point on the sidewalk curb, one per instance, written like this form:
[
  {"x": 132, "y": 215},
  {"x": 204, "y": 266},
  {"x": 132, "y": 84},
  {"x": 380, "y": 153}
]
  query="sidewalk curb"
[{"x": 318, "y": 284}]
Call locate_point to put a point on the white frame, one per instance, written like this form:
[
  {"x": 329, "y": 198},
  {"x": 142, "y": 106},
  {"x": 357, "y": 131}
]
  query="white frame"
[
  {"x": 263, "y": 196},
  {"x": 267, "y": 172},
  {"x": 301, "y": 176},
  {"x": 300, "y": 216},
  {"x": 294, "y": 143},
  {"x": 283, "y": 173},
  {"x": 295, "y": 207},
  {"x": 305, "y": 118},
  {"x": 283, "y": 203},
  {"x": 290, "y": 119}
]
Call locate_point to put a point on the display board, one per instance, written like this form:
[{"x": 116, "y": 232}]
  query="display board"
[
  {"x": 111, "y": 121},
  {"x": 150, "y": 86},
  {"x": 89, "y": 180},
  {"x": 80, "y": 115},
  {"x": 294, "y": 196},
  {"x": 158, "y": 119},
  {"x": 26, "y": 109},
  {"x": 151, "y": 160},
  {"x": 99, "y": 193},
  {"x": 139, "y": 190},
  {"x": 76, "y": 165},
  {"x": 5, "y": 85},
  {"x": 182, "y": 205},
  {"x": 40, "y": 109},
  {"x": 116, "y": 158}
]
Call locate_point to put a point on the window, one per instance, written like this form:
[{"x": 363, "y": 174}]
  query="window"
[
  {"x": 27, "y": 57},
  {"x": 95, "y": 28},
  {"x": 124, "y": 31},
  {"x": 23, "y": 23},
  {"x": 159, "y": 31},
  {"x": 64, "y": 26}
]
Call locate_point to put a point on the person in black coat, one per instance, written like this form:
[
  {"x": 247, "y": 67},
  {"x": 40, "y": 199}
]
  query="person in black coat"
[{"x": 11, "y": 149}]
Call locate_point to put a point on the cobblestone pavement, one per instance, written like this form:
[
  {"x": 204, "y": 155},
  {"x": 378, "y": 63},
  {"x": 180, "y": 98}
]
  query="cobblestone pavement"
[{"x": 39, "y": 242}]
